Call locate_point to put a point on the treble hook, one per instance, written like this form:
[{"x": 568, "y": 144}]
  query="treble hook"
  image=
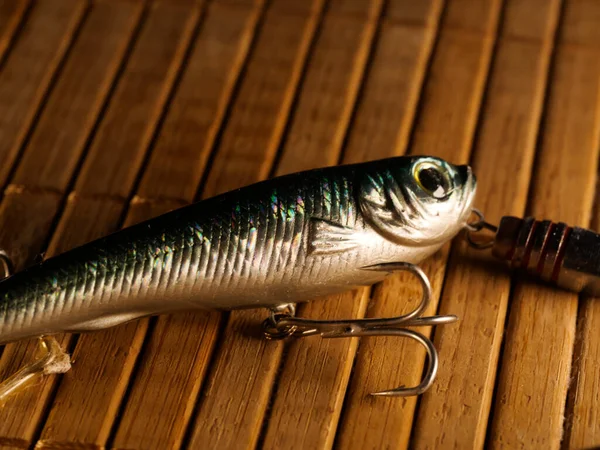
[{"x": 282, "y": 324}]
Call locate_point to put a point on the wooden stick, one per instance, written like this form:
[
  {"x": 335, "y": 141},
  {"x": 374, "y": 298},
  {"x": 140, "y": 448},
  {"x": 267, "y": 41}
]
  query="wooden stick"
[
  {"x": 476, "y": 292},
  {"x": 82, "y": 411},
  {"x": 71, "y": 112},
  {"x": 245, "y": 367},
  {"x": 535, "y": 366}
]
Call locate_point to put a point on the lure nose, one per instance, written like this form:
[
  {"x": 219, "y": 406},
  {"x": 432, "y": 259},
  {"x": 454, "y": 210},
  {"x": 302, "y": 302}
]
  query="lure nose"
[{"x": 466, "y": 174}]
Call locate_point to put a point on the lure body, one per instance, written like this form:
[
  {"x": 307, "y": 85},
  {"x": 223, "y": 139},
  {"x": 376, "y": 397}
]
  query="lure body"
[{"x": 289, "y": 239}]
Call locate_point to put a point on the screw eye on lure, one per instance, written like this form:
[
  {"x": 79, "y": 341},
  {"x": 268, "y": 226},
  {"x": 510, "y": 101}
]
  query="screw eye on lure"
[{"x": 277, "y": 243}]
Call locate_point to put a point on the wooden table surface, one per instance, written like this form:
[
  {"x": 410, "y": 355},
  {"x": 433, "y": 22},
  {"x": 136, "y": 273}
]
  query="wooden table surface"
[{"x": 113, "y": 111}]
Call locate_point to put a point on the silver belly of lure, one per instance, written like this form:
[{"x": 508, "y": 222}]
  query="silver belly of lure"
[{"x": 277, "y": 243}]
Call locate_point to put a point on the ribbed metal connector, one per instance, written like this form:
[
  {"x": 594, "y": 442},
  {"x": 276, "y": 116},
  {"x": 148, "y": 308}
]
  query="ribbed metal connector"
[{"x": 566, "y": 256}]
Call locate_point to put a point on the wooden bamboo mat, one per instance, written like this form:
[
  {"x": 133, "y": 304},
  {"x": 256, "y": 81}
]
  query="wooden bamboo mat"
[{"x": 114, "y": 111}]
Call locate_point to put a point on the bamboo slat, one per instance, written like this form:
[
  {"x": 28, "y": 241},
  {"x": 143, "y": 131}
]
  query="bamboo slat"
[
  {"x": 384, "y": 116},
  {"x": 329, "y": 92},
  {"x": 78, "y": 97},
  {"x": 582, "y": 414},
  {"x": 27, "y": 214},
  {"x": 245, "y": 367},
  {"x": 267, "y": 91},
  {"x": 308, "y": 399},
  {"x": 504, "y": 152},
  {"x": 201, "y": 102},
  {"x": 137, "y": 106},
  {"x": 114, "y": 353},
  {"x": 252, "y": 134},
  {"x": 29, "y": 69},
  {"x": 461, "y": 61},
  {"x": 12, "y": 14},
  {"x": 582, "y": 417},
  {"x": 85, "y": 404},
  {"x": 535, "y": 366},
  {"x": 58, "y": 126}
]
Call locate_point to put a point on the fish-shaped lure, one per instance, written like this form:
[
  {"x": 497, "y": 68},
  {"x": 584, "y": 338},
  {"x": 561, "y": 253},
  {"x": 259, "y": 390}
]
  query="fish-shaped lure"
[
  {"x": 285, "y": 240},
  {"x": 273, "y": 244}
]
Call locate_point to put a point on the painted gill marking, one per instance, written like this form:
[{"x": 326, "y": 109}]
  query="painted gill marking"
[
  {"x": 251, "y": 244},
  {"x": 296, "y": 234},
  {"x": 187, "y": 239},
  {"x": 216, "y": 231},
  {"x": 286, "y": 219},
  {"x": 417, "y": 210},
  {"x": 239, "y": 250},
  {"x": 276, "y": 209},
  {"x": 325, "y": 213},
  {"x": 268, "y": 245},
  {"x": 180, "y": 251},
  {"x": 221, "y": 253},
  {"x": 201, "y": 256}
]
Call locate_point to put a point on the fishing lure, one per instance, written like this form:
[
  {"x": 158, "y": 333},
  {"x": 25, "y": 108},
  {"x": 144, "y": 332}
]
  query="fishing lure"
[{"x": 274, "y": 244}]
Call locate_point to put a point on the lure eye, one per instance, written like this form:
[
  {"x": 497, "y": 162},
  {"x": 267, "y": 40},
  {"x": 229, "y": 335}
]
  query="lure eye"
[{"x": 433, "y": 179}]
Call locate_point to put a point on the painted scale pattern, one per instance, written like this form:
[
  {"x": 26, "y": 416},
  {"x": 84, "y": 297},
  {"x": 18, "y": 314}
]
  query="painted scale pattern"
[{"x": 193, "y": 257}]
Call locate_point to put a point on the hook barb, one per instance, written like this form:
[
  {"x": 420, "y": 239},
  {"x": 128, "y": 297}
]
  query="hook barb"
[{"x": 281, "y": 325}]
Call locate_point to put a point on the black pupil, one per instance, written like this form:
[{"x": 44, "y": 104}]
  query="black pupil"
[{"x": 431, "y": 179}]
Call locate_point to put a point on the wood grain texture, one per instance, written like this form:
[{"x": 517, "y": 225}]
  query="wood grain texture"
[
  {"x": 77, "y": 99},
  {"x": 425, "y": 13},
  {"x": 201, "y": 100},
  {"x": 582, "y": 421},
  {"x": 390, "y": 93},
  {"x": 253, "y": 132},
  {"x": 113, "y": 353},
  {"x": 478, "y": 293},
  {"x": 310, "y": 391},
  {"x": 452, "y": 97},
  {"x": 39, "y": 153},
  {"x": 582, "y": 415},
  {"x": 308, "y": 399},
  {"x": 27, "y": 213},
  {"x": 541, "y": 327},
  {"x": 12, "y": 14},
  {"x": 91, "y": 403},
  {"x": 244, "y": 367},
  {"x": 127, "y": 128},
  {"x": 22, "y": 414},
  {"x": 164, "y": 363},
  {"x": 355, "y": 9},
  {"x": 329, "y": 92},
  {"x": 28, "y": 71},
  {"x": 390, "y": 360},
  {"x": 260, "y": 105}
]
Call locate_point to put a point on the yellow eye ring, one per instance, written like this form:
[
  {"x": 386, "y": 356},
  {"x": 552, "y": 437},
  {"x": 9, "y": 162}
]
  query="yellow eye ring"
[{"x": 433, "y": 179}]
